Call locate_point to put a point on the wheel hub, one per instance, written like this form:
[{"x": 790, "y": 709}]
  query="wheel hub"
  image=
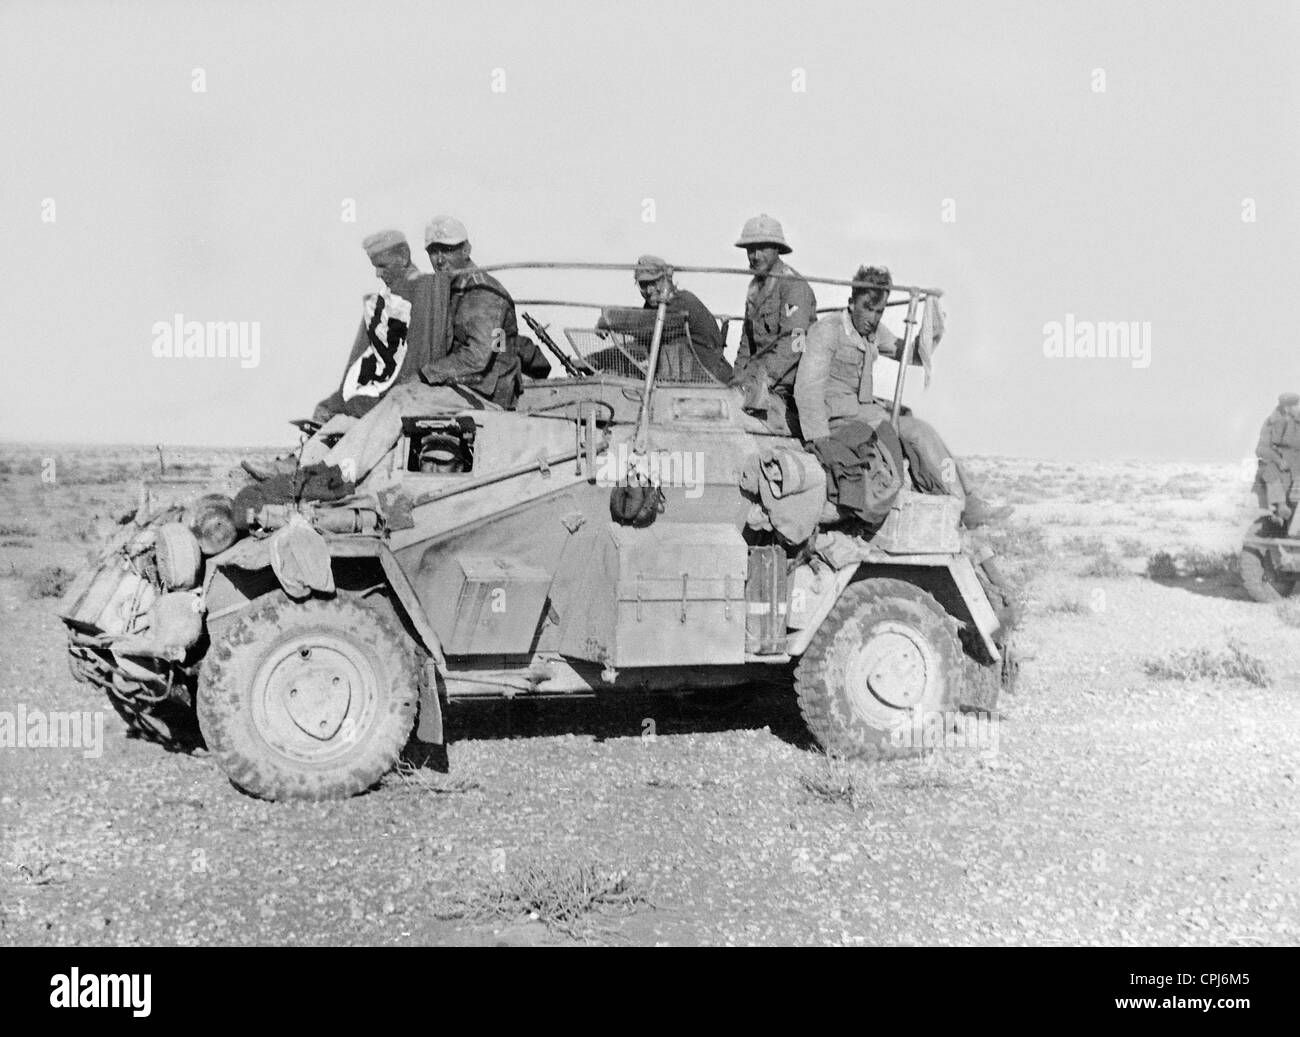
[
  {"x": 317, "y": 699},
  {"x": 890, "y": 668},
  {"x": 312, "y": 697}
]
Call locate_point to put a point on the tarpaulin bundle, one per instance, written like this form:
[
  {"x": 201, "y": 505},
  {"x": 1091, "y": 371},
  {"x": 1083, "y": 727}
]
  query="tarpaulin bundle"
[
  {"x": 864, "y": 466},
  {"x": 300, "y": 559}
]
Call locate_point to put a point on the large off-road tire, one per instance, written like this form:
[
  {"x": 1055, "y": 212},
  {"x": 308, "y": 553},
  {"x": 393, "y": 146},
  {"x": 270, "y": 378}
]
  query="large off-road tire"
[
  {"x": 1261, "y": 579},
  {"x": 310, "y": 700},
  {"x": 885, "y": 660}
]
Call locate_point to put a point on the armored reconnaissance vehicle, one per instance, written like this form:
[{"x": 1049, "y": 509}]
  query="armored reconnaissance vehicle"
[{"x": 631, "y": 527}]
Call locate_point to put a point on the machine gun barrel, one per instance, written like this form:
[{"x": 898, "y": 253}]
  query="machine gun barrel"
[{"x": 544, "y": 337}]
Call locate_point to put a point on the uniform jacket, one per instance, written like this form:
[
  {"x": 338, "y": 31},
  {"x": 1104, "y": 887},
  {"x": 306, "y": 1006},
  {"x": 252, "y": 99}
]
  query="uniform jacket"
[
  {"x": 686, "y": 318},
  {"x": 484, "y": 352},
  {"x": 776, "y": 308},
  {"x": 1279, "y": 440},
  {"x": 834, "y": 378}
]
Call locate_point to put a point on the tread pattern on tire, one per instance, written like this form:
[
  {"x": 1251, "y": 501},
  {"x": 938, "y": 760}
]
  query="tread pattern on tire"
[
  {"x": 224, "y": 687},
  {"x": 828, "y": 714}
]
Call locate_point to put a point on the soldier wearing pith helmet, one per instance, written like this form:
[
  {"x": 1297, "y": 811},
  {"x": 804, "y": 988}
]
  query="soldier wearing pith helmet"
[{"x": 779, "y": 308}]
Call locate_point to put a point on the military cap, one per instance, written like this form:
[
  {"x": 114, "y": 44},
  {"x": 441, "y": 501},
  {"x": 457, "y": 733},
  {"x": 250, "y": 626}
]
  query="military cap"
[
  {"x": 445, "y": 230},
  {"x": 651, "y": 268},
  {"x": 382, "y": 241},
  {"x": 763, "y": 230},
  {"x": 1288, "y": 399}
]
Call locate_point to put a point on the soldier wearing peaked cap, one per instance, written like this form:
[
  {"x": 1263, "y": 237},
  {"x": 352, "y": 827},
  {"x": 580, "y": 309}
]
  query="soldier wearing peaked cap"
[
  {"x": 485, "y": 340},
  {"x": 779, "y": 308},
  {"x": 690, "y": 330},
  {"x": 404, "y": 327},
  {"x": 1278, "y": 451}
]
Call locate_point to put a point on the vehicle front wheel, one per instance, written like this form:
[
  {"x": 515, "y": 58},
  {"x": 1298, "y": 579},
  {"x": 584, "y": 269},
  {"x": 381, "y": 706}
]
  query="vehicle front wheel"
[
  {"x": 310, "y": 700},
  {"x": 1259, "y": 575},
  {"x": 885, "y": 665}
]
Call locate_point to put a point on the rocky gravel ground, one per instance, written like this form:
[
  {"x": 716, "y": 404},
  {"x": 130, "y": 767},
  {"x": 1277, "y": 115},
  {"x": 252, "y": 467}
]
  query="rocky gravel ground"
[{"x": 1103, "y": 806}]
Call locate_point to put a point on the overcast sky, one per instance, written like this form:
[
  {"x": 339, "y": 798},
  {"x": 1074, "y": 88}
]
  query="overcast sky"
[{"x": 1098, "y": 158}]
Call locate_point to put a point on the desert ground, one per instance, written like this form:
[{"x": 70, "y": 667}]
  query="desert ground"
[{"x": 1139, "y": 787}]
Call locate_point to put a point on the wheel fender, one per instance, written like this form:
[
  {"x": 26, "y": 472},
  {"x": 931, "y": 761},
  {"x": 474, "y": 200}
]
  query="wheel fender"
[
  {"x": 255, "y": 554},
  {"x": 962, "y": 573},
  {"x": 410, "y": 602},
  {"x": 976, "y": 602}
]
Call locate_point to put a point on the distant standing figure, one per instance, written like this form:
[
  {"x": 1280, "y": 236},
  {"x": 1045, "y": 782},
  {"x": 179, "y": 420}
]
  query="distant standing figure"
[{"x": 1278, "y": 451}]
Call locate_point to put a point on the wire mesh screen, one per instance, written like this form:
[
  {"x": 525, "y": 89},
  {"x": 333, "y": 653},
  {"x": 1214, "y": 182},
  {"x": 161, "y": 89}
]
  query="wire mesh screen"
[{"x": 626, "y": 352}]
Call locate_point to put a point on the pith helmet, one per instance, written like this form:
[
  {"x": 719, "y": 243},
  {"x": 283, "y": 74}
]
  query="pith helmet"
[
  {"x": 1288, "y": 399},
  {"x": 763, "y": 230}
]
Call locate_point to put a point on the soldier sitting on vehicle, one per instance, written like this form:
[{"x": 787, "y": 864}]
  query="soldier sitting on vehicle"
[
  {"x": 484, "y": 351},
  {"x": 690, "y": 333},
  {"x": 834, "y": 387},
  {"x": 1278, "y": 451},
  {"x": 403, "y": 328},
  {"x": 779, "y": 308}
]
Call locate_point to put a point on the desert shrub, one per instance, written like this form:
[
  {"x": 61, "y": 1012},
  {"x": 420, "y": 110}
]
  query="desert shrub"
[
  {"x": 1231, "y": 663},
  {"x": 1207, "y": 564},
  {"x": 1105, "y": 567},
  {"x": 1064, "y": 606},
  {"x": 1131, "y": 547},
  {"x": 1192, "y": 563},
  {"x": 1019, "y": 541},
  {"x": 563, "y": 894},
  {"x": 50, "y": 581},
  {"x": 833, "y": 779},
  {"x": 1086, "y": 545},
  {"x": 1161, "y": 566}
]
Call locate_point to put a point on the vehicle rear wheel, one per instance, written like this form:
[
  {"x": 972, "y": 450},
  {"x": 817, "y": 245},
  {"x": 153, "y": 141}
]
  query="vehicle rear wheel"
[
  {"x": 310, "y": 700},
  {"x": 1259, "y": 576},
  {"x": 885, "y": 661}
]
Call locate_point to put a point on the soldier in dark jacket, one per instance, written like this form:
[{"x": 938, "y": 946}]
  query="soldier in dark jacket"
[
  {"x": 691, "y": 332},
  {"x": 484, "y": 353}
]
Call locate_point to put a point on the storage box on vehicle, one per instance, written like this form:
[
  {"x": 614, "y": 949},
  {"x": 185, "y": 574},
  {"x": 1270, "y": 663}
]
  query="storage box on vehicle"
[
  {"x": 921, "y": 523},
  {"x": 672, "y": 594}
]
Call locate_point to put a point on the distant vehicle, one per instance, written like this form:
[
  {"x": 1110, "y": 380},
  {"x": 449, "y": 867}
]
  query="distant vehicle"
[
  {"x": 492, "y": 566},
  {"x": 1270, "y": 550}
]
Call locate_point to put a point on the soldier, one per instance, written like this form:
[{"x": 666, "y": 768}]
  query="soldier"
[
  {"x": 403, "y": 328},
  {"x": 689, "y": 327},
  {"x": 484, "y": 353},
  {"x": 1278, "y": 451},
  {"x": 834, "y": 386},
  {"x": 779, "y": 308}
]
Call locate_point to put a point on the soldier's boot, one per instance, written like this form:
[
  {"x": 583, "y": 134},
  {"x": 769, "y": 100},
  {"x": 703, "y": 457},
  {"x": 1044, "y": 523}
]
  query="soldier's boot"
[{"x": 978, "y": 512}]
